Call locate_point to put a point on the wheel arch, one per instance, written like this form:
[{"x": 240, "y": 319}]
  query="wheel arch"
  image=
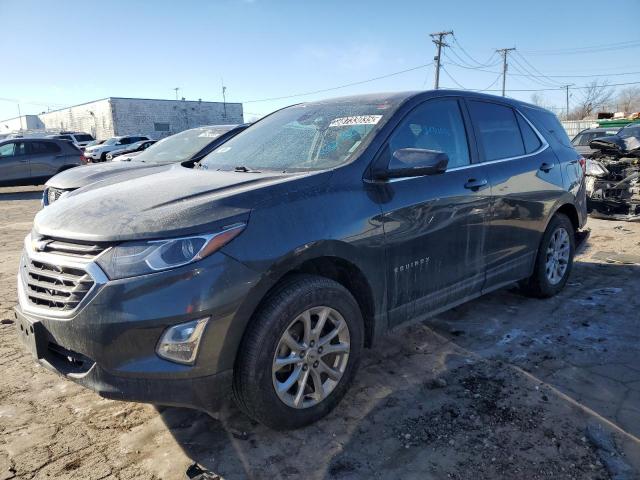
[{"x": 327, "y": 259}]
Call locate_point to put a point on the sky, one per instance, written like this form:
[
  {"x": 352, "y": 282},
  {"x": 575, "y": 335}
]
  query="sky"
[{"x": 57, "y": 54}]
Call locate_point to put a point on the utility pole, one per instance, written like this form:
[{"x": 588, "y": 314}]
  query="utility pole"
[
  {"x": 224, "y": 97},
  {"x": 20, "y": 116},
  {"x": 176, "y": 90},
  {"x": 567, "y": 90},
  {"x": 439, "y": 43},
  {"x": 504, "y": 52}
]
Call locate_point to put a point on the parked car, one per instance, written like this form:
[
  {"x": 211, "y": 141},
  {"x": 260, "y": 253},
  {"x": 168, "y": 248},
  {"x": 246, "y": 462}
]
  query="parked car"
[
  {"x": 32, "y": 161},
  {"x": 582, "y": 140},
  {"x": 188, "y": 146},
  {"x": 98, "y": 153},
  {"x": 297, "y": 243},
  {"x": 79, "y": 139},
  {"x": 132, "y": 150}
]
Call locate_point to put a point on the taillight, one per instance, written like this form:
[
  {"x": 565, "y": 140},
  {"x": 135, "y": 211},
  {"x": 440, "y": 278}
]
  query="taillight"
[
  {"x": 83, "y": 160},
  {"x": 583, "y": 163}
]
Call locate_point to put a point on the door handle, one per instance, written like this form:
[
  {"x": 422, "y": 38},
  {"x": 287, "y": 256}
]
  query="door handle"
[
  {"x": 475, "y": 185},
  {"x": 545, "y": 167}
]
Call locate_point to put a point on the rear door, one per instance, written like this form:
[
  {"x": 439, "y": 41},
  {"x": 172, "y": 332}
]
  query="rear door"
[
  {"x": 434, "y": 224},
  {"x": 14, "y": 163},
  {"x": 46, "y": 158},
  {"x": 525, "y": 182}
]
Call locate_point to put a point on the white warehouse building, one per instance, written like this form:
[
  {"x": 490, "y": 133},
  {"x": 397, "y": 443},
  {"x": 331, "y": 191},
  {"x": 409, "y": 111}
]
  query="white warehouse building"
[{"x": 116, "y": 116}]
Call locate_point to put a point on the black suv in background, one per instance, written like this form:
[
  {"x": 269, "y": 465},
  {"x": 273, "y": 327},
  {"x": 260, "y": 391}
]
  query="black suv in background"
[{"x": 295, "y": 244}]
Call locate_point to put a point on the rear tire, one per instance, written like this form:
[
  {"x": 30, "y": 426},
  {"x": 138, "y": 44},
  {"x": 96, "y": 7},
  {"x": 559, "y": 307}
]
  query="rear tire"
[
  {"x": 554, "y": 260},
  {"x": 103, "y": 157},
  {"x": 278, "y": 350}
]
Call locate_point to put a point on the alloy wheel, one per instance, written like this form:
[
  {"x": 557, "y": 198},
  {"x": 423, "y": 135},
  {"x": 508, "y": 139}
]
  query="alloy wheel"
[
  {"x": 311, "y": 357},
  {"x": 558, "y": 253}
]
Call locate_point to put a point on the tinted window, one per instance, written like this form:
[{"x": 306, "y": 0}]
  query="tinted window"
[
  {"x": 85, "y": 137},
  {"x": 547, "y": 123},
  {"x": 531, "y": 140},
  {"x": 7, "y": 150},
  {"x": 497, "y": 129},
  {"x": 435, "y": 125},
  {"x": 43, "y": 147}
]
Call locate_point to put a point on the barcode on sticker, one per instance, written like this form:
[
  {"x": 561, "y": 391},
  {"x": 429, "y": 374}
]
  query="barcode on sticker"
[{"x": 355, "y": 120}]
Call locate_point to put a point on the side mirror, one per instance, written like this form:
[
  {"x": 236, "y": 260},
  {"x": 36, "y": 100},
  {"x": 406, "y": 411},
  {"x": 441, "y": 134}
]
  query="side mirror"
[{"x": 416, "y": 162}]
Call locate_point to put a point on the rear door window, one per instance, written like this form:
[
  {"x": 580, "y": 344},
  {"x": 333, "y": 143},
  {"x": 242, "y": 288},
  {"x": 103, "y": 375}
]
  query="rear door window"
[
  {"x": 497, "y": 129},
  {"x": 39, "y": 148},
  {"x": 531, "y": 140}
]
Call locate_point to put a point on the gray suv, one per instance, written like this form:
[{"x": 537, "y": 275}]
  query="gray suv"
[
  {"x": 267, "y": 269},
  {"x": 32, "y": 161}
]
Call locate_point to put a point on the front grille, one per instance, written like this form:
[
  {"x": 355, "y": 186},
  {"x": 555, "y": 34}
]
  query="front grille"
[
  {"x": 56, "y": 287},
  {"x": 55, "y": 277}
]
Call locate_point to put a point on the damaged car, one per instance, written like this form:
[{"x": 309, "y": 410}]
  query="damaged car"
[{"x": 613, "y": 176}]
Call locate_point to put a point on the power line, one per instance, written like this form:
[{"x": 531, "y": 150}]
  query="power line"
[
  {"x": 591, "y": 49},
  {"x": 491, "y": 84},
  {"x": 535, "y": 70},
  {"x": 342, "y": 86},
  {"x": 453, "y": 79},
  {"x": 486, "y": 64},
  {"x": 549, "y": 76}
]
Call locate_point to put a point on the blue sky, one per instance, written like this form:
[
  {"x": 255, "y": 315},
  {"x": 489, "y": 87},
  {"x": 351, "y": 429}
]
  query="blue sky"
[{"x": 62, "y": 53}]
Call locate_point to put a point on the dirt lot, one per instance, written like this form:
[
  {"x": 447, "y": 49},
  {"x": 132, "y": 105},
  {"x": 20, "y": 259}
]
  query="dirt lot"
[{"x": 503, "y": 387}]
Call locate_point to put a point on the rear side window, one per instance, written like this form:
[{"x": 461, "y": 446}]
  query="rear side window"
[
  {"x": 547, "y": 123},
  {"x": 531, "y": 140},
  {"x": 498, "y": 130},
  {"x": 44, "y": 147},
  {"x": 434, "y": 125}
]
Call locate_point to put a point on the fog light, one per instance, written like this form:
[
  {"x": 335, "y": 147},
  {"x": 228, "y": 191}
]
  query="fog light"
[{"x": 180, "y": 343}]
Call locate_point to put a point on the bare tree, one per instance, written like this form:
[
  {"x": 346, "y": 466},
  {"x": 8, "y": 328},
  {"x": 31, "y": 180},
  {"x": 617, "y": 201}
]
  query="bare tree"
[
  {"x": 537, "y": 99},
  {"x": 628, "y": 99},
  {"x": 591, "y": 98}
]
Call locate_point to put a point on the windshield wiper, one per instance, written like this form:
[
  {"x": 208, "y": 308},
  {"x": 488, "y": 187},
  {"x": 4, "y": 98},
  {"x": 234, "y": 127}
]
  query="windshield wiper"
[{"x": 243, "y": 169}]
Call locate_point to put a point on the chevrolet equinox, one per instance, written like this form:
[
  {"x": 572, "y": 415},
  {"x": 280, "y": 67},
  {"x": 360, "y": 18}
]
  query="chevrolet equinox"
[{"x": 266, "y": 268}]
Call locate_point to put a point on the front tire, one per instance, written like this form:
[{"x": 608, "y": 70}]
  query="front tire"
[
  {"x": 554, "y": 260},
  {"x": 300, "y": 353}
]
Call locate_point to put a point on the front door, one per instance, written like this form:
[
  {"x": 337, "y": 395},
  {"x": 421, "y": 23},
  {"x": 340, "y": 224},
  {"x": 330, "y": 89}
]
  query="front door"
[
  {"x": 434, "y": 225},
  {"x": 14, "y": 163}
]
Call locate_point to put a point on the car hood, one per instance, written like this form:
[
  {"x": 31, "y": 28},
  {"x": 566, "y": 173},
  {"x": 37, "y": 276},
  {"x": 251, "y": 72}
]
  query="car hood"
[
  {"x": 84, "y": 175},
  {"x": 173, "y": 202},
  {"x": 616, "y": 144}
]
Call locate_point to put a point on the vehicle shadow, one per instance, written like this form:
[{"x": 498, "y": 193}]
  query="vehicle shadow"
[
  {"x": 20, "y": 193},
  {"x": 499, "y": 387}
]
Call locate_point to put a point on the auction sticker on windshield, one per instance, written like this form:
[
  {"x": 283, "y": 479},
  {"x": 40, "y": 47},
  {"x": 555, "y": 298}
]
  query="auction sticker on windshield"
[{"x": 355, "y": 120}]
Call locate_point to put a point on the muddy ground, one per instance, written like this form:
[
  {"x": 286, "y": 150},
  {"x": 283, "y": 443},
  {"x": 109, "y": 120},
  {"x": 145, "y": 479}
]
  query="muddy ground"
[{"x": 503, "y": 387}]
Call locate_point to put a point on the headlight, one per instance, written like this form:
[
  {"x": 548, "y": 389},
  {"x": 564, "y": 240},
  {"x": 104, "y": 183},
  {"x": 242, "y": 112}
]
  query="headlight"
[
  {"x": 596, "y": 169},
  {"x": 50, "y": 195},
  {"x": 130, "y": 259}
]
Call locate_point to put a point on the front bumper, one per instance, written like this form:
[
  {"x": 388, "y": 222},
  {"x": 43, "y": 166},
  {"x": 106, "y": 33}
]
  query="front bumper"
[{"x": 109, "y": 343}]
